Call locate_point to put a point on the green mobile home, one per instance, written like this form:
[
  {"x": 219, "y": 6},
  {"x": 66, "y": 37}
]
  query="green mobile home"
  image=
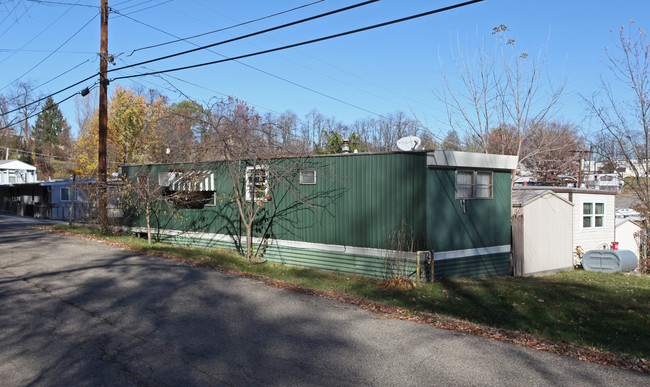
[{"x": 342, "y": 212}]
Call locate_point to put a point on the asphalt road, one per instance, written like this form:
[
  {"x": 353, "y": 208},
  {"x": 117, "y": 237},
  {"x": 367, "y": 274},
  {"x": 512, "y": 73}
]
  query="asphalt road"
[{"x": 77, "y": 312}]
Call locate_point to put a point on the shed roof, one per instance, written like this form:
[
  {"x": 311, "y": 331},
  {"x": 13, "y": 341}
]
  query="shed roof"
[
  {"x": 620, "y": 222},
  {"x": 567, "y": 190},
  {"x": 15, "y": 164},
  {"x": 521, "y": 198}
]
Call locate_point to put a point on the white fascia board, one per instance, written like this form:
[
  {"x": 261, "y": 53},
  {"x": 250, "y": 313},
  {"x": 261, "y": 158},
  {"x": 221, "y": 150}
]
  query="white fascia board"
[{"x": 453, "y": 159}]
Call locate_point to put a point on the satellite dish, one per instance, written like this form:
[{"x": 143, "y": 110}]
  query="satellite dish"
[{"x": 409, "y": 143}]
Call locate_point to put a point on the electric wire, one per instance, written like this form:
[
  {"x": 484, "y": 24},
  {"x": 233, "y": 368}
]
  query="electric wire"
[
  {"x": 46, "y": 51},
  {"x": 281, "y": 48},
  {"x": 48, "y": 56},
  {"x": 268, "y": 74},
  {"x": 35, "y": 114},
  {"x": 224, "y": 28},
  {"x": 9, "y": 13},
  {"x": 198, "y": 48},
  {"x": 244, "y": 36},
  {"x": 16, "y": 21},
  {"x": 45, "y": 2},
  {"x": 39, "y": 34},
  {"x": 39, "y": 155},
  {"x": 50, "y": 95},
  {"x": 252, "y": 54},
  {"x": 327, "y": 64},
  {"x": 146, "y": 8},
  {"x": 59, "y": 76}
]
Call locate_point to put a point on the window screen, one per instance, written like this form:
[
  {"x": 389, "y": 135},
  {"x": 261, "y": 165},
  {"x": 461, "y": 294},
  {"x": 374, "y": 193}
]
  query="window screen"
[
  {"x": 307, "y": 177},
  {"x": 474, "y": 185},
  {"x": 65, "y": 194}
]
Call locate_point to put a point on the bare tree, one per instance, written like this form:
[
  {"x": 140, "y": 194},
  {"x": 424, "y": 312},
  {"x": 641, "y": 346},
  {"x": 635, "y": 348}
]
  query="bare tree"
[
  {"x": 23, "y": 97},
  {"x": 623, "y": 110},
  {"x": 247, "y": 148},
  {"x": 499, "y": 87}
]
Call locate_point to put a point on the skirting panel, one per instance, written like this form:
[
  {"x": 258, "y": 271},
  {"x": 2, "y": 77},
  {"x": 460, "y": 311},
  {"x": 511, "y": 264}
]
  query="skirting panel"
[{"x": 461, "y": 263}]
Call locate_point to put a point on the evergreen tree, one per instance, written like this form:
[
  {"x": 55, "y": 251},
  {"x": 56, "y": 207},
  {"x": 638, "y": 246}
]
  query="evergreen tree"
[
  {"x": 49, "y": 126},
  {"x": 334, "y": 143}
]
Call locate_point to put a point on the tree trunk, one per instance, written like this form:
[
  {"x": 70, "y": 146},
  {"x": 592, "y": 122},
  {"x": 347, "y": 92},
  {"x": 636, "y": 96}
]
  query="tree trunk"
[
  {"x": 148, "y": 223},
  {"x": 249, "y": 241}
]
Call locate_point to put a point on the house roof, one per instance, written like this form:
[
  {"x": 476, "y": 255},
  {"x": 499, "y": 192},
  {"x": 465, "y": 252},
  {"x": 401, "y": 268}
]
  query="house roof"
[
  {"x": 521, "y": 198},
  {"x": 16, "y": 164}
]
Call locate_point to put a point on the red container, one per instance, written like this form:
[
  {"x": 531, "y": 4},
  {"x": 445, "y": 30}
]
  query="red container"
[{"x": 614, "y": 245}]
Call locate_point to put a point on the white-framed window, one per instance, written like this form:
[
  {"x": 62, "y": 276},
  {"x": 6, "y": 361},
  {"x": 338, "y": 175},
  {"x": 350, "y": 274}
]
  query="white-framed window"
[
  {"x": 308, "y": 177},
  {"x": 211, "y": 201},
  {"x": 593, "y": 215},
  {"x": 474, "y": 184},
  {"x": 65, "y": 194},
  {"x": 257, "y": 183}
]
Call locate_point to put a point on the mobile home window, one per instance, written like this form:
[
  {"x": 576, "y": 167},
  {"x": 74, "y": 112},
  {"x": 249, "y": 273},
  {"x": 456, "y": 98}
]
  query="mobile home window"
[
  {"x": 593, "y": 215},
  {"x": 65, "y": 194},
  {"x": 474, "y": 184},
  {"x": 257, "y": 183},
  {"x": 307, "y": 177}
]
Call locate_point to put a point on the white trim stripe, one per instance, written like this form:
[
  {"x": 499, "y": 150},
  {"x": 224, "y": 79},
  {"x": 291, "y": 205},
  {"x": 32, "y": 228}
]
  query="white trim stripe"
[
  {"x": 454, "y": 254},
  {"x": 438, "y": 255}
]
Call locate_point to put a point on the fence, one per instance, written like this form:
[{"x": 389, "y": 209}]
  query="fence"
[{"x": 83, "y": 212}]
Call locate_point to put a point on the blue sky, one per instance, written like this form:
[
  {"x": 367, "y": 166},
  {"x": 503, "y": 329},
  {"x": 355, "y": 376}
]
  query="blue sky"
[{"x": 373, "y": 73}]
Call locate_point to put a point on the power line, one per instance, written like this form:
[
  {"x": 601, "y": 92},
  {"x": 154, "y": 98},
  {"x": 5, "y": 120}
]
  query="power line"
[
  {"x": 16, "y": 21},
  {"x": 50, "y": 95},
  {"x": 247, "y": 35},
  {"x": 225, "y": 28},
  {"x": 145, "y": 8},
  {"x": 9, "y": 13},
  {"x": 259, "y": 52},
  {"x": 39, "y": 34},
  {"x": 47, "y": 51},
  {"x": 42, "y": 155},
  {"x": 266, "y": 73},
  {"x": 281, "y": 48},
  {"x": 35, "y": 114},
  {"x": 198, "y": 48},
  {"x": 330, "y": 65},
  {"x": 48, "y": 56},
  {"x": 44, "y": 2}
]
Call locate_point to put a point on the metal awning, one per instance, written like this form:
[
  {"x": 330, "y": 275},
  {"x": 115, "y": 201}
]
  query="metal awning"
[{"x": 187, "y": 181}]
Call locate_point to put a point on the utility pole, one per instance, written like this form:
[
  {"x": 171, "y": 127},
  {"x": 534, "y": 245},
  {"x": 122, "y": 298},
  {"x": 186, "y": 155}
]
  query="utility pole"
[{"x": 103, "y": 114}]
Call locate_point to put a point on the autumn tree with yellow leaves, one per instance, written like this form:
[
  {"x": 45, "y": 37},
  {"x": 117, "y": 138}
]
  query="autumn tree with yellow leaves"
[{"x": 133, "y": 130}]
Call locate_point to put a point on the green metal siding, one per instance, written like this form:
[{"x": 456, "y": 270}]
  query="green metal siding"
[
  {"x": 325, "y": 260},
  {"x": 475, "y": 266},
  {"x": 485, "y": 223},
  {"x": 359, "y": 200}
]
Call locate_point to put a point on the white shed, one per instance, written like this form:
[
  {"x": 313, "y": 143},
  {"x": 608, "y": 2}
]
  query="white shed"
[
  {"x": 627, "y": 233},
  {"x": 542, "y": 237},
  {"x": 15, "y": 171}
]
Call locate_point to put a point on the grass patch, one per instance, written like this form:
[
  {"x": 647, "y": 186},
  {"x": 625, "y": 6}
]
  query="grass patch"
[{"x": 610, "y": 312}]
